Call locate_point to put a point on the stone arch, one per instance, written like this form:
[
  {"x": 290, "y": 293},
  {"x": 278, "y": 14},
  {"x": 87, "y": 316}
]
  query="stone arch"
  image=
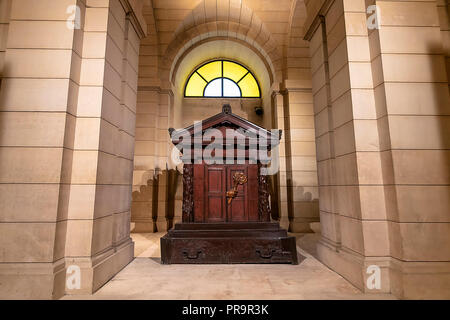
[
  {"x": 238, "y": 23},
  {"x": 198, "y": 41}
]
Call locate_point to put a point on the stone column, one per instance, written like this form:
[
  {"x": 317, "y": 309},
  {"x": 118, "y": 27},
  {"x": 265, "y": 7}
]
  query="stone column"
[
  {"x": 282, "y": 176},
  {"x": 302, "y": 184},
  {"x": 67, "y": 140},
  {"x": 298, "y": 184},
  {"x": 151, "y": 154},
  {"x": 144, "y": 175},
  {"x": 382, "y": 145},
  {"x": 98, "y": 232},
  {"x": 412, "y": 105},
  {"x": 150, "y": 176},
  {"x": 303, "y": 187},
  {"x": 38, "y": 108},
  {"x": 165, "y": 219},
  {"x": 353, "y": 217},
  {"x": 324, "y": 132}
]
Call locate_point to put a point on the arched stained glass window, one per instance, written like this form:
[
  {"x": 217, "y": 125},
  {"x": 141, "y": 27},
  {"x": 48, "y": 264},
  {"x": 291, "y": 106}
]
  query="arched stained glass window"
[{"x": 222, "y": 79}]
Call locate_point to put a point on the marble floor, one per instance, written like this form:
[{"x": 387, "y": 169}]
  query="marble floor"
[{"x": 145, "y": 278}]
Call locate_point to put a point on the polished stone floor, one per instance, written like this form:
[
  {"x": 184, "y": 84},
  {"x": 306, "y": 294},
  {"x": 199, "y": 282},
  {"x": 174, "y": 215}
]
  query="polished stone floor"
[{"x": 145, "y": 278}]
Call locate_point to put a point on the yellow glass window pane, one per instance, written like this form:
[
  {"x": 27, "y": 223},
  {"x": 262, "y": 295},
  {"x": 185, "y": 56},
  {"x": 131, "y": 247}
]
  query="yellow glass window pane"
[
  {"x": 233, "y": 71},
  {"x": 211, "y": 70},
  {"x": 195, "y": 86},
  {"x": 249, "y": 87}
]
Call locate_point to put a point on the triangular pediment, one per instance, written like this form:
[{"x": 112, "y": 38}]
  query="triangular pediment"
[{"x": 227, "y": 120}]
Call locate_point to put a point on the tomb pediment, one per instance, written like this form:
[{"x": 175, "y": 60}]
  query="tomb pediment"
[{"x": 241, "y": 129}]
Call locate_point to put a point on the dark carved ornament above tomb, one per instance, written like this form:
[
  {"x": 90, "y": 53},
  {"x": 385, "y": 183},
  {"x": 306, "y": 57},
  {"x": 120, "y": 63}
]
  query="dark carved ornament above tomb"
[{"x": 227, "y": 109}]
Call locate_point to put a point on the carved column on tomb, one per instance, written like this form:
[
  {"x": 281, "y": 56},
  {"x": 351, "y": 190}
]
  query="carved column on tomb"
[
  {"x": 263, "y": 201},
  {"x": 188, "y": 193}
]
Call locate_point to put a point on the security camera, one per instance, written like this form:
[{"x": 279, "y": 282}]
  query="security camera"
[{"x": 259, "y": 111}]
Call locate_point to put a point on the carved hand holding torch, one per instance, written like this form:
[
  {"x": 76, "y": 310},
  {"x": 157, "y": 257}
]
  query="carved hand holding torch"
[{"x": 239, "y": 179}]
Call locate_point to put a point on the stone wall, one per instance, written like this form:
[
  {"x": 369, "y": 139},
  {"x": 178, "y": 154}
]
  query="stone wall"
[
  {"x": 67, "y": 112},
  {"x": 381, "y": 104}
]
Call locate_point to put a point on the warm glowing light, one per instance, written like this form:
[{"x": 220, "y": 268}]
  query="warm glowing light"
[
  {"x": 249, "y": 87},
  {"x": 222, "y": 78},
  {"x": 195, "y": 86},
  {"x": 233, "y": 71},
  {"x": 211, "y": 71}
]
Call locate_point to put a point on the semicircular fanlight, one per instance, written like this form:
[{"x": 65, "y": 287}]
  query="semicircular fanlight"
[{"x": 222, "y": 79}]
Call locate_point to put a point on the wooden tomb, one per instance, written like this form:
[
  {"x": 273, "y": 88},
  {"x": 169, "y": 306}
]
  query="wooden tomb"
[{"x": 226, "y": 211}]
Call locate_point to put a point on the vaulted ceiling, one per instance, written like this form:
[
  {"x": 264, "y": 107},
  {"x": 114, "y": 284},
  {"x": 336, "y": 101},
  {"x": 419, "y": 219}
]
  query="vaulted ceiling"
[
  {"x": 272, "y": 26},
  {"x": 170, "y": 14}
]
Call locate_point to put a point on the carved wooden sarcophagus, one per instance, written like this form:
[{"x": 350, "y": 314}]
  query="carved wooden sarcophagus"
[{"x": 226, "y": 208}]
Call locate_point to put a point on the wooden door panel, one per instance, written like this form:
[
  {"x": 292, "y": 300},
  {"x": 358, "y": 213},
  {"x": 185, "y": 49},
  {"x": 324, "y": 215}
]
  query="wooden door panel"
[
  {"x": 216, "y": 213},
  {"x": 211, "y": 185},
  {"x": 215, "y": 194},
  {"x": 215, "y": 181},
  {"x": 237, "y": 210}
]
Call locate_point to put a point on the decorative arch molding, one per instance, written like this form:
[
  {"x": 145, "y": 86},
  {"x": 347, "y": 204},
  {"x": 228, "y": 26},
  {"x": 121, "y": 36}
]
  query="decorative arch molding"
[
  {"x": 268, "y": 51},
  {"x": 239, "y": 22},
  {"x": 180, "y": 57},
  {"x": 238, "y": 19}
]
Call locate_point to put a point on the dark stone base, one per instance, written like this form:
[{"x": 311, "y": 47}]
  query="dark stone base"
[{"x": 228, "y": 243}]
